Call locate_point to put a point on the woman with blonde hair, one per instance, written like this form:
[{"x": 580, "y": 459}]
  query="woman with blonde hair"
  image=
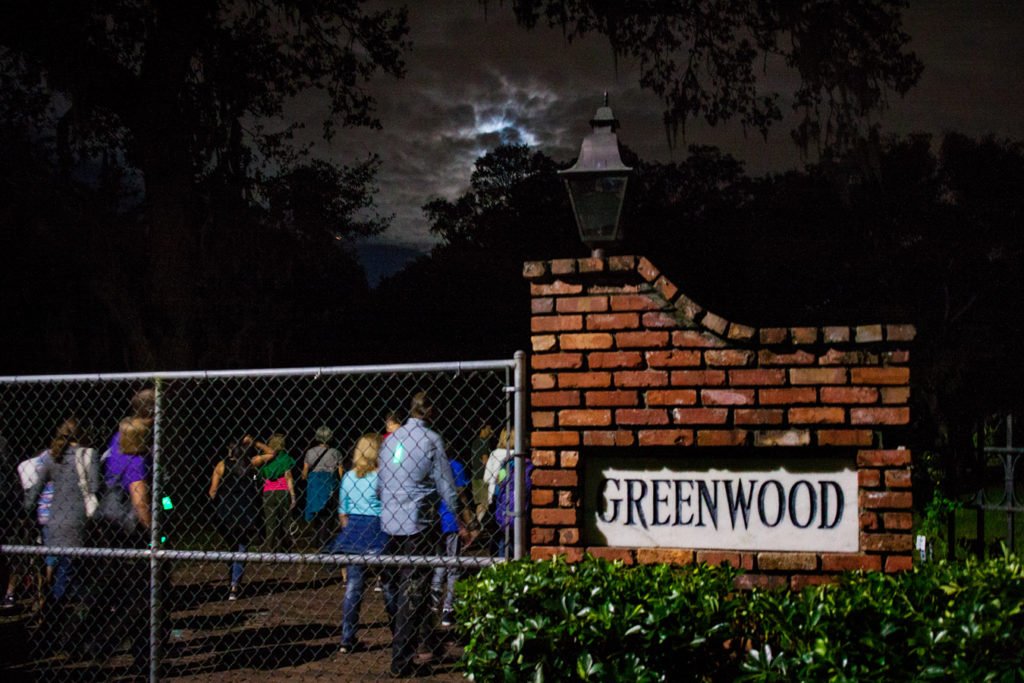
[
  {"x": 125, "y": 524},
  {"x": 359, "y": 515},
  {"x": 494, "y": 473},
  {"x": 496, "y": 461}
]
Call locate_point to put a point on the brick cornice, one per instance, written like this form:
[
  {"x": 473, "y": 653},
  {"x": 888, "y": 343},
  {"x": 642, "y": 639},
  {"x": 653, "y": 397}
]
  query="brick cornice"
[{"x": 638, "y": 270}]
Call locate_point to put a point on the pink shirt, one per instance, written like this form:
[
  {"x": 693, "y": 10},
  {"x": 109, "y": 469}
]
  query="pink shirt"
[{"x": 275, "y": 484}]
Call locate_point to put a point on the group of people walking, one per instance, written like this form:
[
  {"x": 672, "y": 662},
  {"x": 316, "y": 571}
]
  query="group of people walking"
[
  {"x": 80, "y": 497},
  {"x": 401, "y": 495}
]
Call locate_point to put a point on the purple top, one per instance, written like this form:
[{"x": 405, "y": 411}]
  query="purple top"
[
  {"x": 503, "y": 511},
  {"x": 127, "y": 469}
]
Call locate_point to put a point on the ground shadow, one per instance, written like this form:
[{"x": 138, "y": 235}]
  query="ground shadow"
[
  {"x": 186, "y": 596},
  {"x": 262, "y": 648}
]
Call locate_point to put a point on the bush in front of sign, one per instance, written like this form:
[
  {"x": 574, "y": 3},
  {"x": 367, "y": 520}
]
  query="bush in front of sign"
[
  {"x": 599, "y": 621},
  {"x": 602, "y": 621},
  {"x": 959, "y": 622}
]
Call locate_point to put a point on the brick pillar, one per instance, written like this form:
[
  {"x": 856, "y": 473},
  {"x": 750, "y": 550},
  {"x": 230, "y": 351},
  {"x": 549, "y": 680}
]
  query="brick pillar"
[{"x": 622, "y": 358}]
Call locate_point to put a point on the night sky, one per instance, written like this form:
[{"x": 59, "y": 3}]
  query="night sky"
[{"x": 476, "y": 80}]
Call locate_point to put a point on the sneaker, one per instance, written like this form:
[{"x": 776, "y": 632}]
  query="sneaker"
[
  {"x": 9, "y": 601},
  {"x": 421, "y": 660},
  {"x": 346, "y": 648},
  {"x": 447, "y": 619},
  {"x": 378, "y": 587},
  {"x": 233, "y": 595}
]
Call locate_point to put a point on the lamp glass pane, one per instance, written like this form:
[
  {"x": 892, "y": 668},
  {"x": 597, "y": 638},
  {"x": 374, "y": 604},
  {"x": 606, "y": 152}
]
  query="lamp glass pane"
[{"x": 597, "y": 200}]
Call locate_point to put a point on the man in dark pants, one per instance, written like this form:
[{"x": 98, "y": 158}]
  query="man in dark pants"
[{"x": 413, "y": 472}]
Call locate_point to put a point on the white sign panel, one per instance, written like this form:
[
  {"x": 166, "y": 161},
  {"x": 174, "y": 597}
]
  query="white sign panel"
[{"x": 724, "y": 504}]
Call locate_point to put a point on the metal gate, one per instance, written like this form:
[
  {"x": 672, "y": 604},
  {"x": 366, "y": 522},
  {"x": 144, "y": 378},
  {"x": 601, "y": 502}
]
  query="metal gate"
[
  {"x": 1000, "y": 488},
  {"x": 258, "y": 585}
]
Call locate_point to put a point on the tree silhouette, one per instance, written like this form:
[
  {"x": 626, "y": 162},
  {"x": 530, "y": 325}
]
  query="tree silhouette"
[
  {"x": 713, "y": 60},
  {"x": 186, "y": 101}
]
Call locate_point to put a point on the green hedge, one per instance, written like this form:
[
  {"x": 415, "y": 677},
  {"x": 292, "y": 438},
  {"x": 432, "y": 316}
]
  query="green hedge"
[{"x": 603, "y": 621}]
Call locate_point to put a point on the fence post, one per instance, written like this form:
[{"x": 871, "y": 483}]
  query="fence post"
[
  {"x": 155, "y": 617},
  {"x": 518, "y": 417}
]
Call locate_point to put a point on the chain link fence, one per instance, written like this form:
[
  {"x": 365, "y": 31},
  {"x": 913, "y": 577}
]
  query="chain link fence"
[{"x": 297, "y": 523}]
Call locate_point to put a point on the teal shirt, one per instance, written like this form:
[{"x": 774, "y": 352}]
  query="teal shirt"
[{"x": 359, "y": 495}]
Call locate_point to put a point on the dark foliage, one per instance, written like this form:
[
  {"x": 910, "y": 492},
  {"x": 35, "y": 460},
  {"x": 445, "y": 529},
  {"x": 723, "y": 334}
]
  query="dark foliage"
[
  {"x": 712, "y": 60},
  {"x": 175, "y": 110},
  {"x": 602, "y": 621}
]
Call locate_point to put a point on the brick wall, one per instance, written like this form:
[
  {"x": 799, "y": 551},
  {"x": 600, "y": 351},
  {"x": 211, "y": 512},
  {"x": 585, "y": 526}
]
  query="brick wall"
[{"x": 622, "y": 358}]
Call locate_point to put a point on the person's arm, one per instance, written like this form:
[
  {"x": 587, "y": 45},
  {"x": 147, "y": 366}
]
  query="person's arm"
[
  {"x": 291, "y": 485},
  {"x": 305, "y": 470},
  {"x": 218, "y": 474},
  {"x": 266, "y": 453},
  {"x": 139, "y": 492},
  {"x": 467, "y": 511},
  {"x": 343, "y": 503},
  {"x": 444, "y": 481},
  {"x": 466, "y": 508}
]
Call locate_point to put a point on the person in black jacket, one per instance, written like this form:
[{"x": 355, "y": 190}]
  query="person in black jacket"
[{"x": 235, "y": 488}]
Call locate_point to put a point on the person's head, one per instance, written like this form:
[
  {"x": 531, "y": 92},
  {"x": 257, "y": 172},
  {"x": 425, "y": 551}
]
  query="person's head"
[
  {"x": 276, "y": 442},
  {"x": 133, "y": 435},
  {"x": 421, "y": 407},
  {"x": 391, "y": 422},
  {"x": 143, "y": 404},
  {"x": 507, "y": 438},
  {"x": 68, "y": 432},
  {"x": 364, "y": 455},
  {"x": 486, "y": 431},
  {"x": 235, "y": 450},
  {"x": 324, "y": 435}
]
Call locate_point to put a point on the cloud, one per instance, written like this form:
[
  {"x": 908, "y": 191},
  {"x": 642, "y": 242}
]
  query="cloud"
[{"x": 476, "y": 80}]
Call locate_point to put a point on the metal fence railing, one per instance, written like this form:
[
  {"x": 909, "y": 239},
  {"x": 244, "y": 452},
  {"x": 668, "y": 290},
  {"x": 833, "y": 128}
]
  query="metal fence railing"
[
  {"x": 305, "y": 522},
  {"x": 998, "y": 496}
]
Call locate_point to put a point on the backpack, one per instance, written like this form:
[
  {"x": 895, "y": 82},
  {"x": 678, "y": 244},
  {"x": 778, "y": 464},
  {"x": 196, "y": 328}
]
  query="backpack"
[
  {"x": 505, "y": 495},
  {"x": 115, "y": 507}
]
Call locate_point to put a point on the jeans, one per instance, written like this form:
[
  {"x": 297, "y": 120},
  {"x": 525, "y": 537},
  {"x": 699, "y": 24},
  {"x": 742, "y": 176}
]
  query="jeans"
[
  {"x": 444, "y": 579},
  {"x": 238, "y": 567},
  {"x": 407, "y": 597},
  {"x": 44, "y": 532},
  {"x": 64, "y": 577},
  {"x": 502, "y": 546},
  {"x": 355, "y": 586}
]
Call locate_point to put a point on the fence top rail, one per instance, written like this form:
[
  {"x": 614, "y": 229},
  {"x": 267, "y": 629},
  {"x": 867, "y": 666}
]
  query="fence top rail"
[{"x": 453, "y": 366}]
